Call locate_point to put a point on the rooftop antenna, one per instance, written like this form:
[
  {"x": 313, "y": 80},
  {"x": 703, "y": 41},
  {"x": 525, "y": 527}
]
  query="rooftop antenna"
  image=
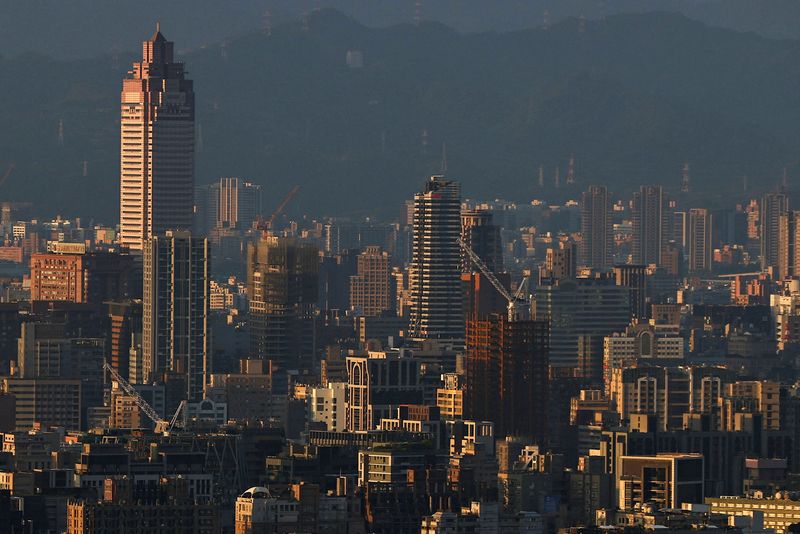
[
  {"x": 444, "y": 158},
  {"x": 685, "y": 178},
  {"x": 158, "y": 26},
  {"x": 541, "y": 176},
  {"x": 571, "y": 170},
  {"x": 85, "y": 168}
]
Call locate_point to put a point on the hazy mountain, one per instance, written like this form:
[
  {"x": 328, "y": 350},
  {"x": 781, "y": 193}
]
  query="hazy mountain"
[
  {"x": 84, "y": 28},
  {"x": 632, "y": 97}
]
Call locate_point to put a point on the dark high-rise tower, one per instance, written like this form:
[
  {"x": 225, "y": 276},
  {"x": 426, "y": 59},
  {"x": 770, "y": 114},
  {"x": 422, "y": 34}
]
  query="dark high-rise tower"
[
  {"x": 773, "y": 205},
  {"x": 699, "y": 245},
  {"x": 597, "y": 237},
  {"x": 435, "y": 269},
  {"x": 156, "y": 146},
  {"x": 282, "y": 282},
  {"x": 650, "y": 224},
  {"x": 483, "y": 237}
]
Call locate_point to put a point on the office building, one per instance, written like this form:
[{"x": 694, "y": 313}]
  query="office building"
[
  {"x": 435, "y": 273},
  {"x": 282, "y": 280},
  {"x": 665, "y": 480},
  {"x": 370, "y": 288},
  {"x": 156, "y": 146},
  {"x": 175, "y": 334},
  {"x": 45, "y": 402},
  {"x": 230, "y": 203},
  {"x": 583, "y": 310},
  {"x": 480, "y": 234},
  {"x": 597, "y": 236},
  {"x": 650, "y": 224},
  {"x": 93, "y": 277},
  {"x": 700, "y": 250},
  {"x": 773, "y": 205}
]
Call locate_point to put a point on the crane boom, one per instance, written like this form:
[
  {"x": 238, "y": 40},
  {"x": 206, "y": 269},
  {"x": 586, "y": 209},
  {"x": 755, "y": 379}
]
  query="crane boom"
[
  {"x": 7, "y": 174},
  {"x": 131, "y": 391},
  {"x": 518, "y": 307},
  {"x": 282, "y": 206},
  {"x": 485, "y": 271}
]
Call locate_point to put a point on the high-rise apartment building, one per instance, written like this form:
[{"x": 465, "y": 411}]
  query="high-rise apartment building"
[
  {"x": 230, "y": 203},
  {"x": 699, "y": 242},
  {"x": 282, "y": 283},
  {"x": 370, "y": 290},
  {"x": 175, "y": 310},
  {"x": 483, "y": 237},
  {"x": 650, "y": 224},
  {"x": 597, "y": 236},
  {"x": 773, "y": 205},
  {"x": 788, "y": 245},
  {"x": 156, "y": 146},
  {"x": 435, "y": 269}
]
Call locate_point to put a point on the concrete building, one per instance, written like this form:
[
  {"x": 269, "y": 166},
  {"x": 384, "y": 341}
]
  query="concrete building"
[
  {"x": 377, "y": 384},
  {"x": 700, "y": 249},
  {"x": 45, "y": 402},
  {"x": 282, "y": 283},
  {"x": 507, "y": 367},
  {"x": 435, "y": 269},
  {"x": 156, "y": 146},
  {"x": 581, "y": 311},
  {"x": 175, "y": 333},
  {"x": 773, "y": 205},
  {"x": 788, "y": 245},
  {"x": 779, "y": 512},
  {"x": 480, "y": 234},
  {"x": 665, "y": 480},
  {"x": 597, "y": 236},
  {"x": 328, "y": 405},
  {"x": 650, "y": 224},
  {"x": 370, "y": 288}
]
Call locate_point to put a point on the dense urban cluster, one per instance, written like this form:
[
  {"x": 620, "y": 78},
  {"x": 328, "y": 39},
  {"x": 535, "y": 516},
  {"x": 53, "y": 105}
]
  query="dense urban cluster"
[{"x": 608, "y": 363}]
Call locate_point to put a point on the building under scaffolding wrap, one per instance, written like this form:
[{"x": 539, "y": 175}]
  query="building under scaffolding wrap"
[{"x": 282, "y": 276}]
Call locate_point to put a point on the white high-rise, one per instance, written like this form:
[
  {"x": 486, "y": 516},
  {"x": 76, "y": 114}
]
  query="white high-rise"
[
  {"x": 435, "y": 269},
  {"x": 156, "y": 146}
]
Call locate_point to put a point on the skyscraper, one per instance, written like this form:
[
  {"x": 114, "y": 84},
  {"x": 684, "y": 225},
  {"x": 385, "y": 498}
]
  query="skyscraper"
[
  {"x": 230, "y": 203},
  {"x": 772, "y": 206},
  {"x": 700, "y": 249},
  {"x": 282, "y": 282},
  {"x": 507, "y": 365},
  {"x": 156, "y": 146},
  {"x": 175, "y": 310},
  {"x": 483, "y": 237},
  {"x": 650, "y": 224},
  {"x": 597, "y": 236},
  {"x": 789, "y": 245},
  {"x": 434, "y": 272}
]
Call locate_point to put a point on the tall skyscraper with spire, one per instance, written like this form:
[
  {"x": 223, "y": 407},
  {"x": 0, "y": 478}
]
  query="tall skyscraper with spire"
[{"x": 156, "y": 145}]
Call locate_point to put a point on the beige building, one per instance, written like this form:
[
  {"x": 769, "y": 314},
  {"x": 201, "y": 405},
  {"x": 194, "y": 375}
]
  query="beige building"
[
  {"x": 369, "y": 289},
  {"x": 778, "y": 513},
  {"x": 156, "y": 146},
  {"x": 46, "y": 402},
  {"x": 766, "y": 396}
]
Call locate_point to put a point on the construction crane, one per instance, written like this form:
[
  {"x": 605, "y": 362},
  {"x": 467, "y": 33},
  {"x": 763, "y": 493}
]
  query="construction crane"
[
  {"x": 7, "y": 174},
  {"x": 266, "y": 226},
  {"x": 519, "y": 307},
  {"x": 161, "y": 425}
]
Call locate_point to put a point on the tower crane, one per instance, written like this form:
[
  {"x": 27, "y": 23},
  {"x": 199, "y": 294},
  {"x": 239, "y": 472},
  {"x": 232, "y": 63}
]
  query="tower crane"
[
  {"x": 266, "y": 226},
  {"x": 519, "y": 307},
  {"x": 7, "y": 174},
  {"x": 161, "y": 425}
]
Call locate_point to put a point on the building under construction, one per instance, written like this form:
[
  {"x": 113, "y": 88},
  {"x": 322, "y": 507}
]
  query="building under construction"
[
  {"x": 507, "y": 373},
  {"x": 282, "y": 283}
]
